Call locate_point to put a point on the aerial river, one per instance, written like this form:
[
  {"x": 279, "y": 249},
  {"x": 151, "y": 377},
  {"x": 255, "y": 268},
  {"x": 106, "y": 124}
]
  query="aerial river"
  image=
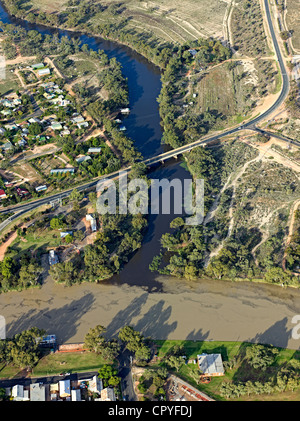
[{"x": 159, "y": 306}]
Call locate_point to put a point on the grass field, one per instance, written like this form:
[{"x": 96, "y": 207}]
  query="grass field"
[
  {"x": 241, "y": 372},
  {"x": 293, "y": 21},
  {"x": 10, "y": 83},
  {"x": 72, "y": 362},
  {"x": 223, "y": 90},
  {"x": 168, "y": 20}
]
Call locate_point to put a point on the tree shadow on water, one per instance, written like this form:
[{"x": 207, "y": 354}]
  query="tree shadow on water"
[
  {"x": 63, "y": 321},
  {"x": 153, "y": 323}
]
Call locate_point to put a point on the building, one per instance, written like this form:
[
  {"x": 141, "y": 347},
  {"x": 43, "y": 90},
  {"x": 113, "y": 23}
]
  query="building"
[
  {"x": 44, "y": 72},
  {"x": 37, "y": 66},
  {"x": 76, "y": 395},
  {"x": 82, "y": 125},
  {"x": 211, "y": 364},
  {"x": 92, "y": 221},
  {"x": 108, "y": 394},
  {"x": 78, "y": 119},
  {"x": 2, "y": 194},
  {"x": 17, "y": 392},
  {"x": 22, "y": 192},
  {"x": 83, "y": 159},
  {"x": 40, "y": 188},
  {"x": 53, "y": 259},
  {"x": 7, "y": 146},
  {"x": 56, "y": 126},
  {"x": 64, "y": 388},
  {"x": 193, "y": 52},
  {"x": 124, "y": 110},
  {"x": 94, "y": 150},
  {"x": 62, "y": 170},
  {"x": 65, "y": 233},
  {"x": 96, "y": 385},
  {"x": 37, "y": 392}
]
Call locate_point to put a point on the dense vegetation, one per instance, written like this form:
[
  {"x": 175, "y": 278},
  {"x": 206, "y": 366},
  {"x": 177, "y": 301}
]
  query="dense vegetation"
[
  {"x": 17, "y": 274},
  {"x": 187, "y": 249},
  {"x": 181, "y": 128}
]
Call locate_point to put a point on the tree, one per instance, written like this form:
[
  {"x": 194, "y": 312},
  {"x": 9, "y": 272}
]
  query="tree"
[
  {"x": 23, "y": 349},
  {"x": 57, "y": 223},
  {"x": 107, "y": 373},
  {"x": 35, "y": 129},
  {"x": 94, "y": 341},
  {"x": 174, "y": 361},
  {"x": 177, "y": 223},
  {"x": 260, "y": 356}
]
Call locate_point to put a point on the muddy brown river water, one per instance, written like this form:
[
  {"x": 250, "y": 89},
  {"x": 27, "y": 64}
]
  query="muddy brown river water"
[{"x": 210, "y": 310}]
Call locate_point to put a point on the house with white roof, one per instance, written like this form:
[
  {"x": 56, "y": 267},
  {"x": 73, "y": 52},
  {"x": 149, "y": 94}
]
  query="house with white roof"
[
  {"x": 211, "y": 364},
  {"x": 64, "y": 388},
  {"x": 96, "y": 385}
]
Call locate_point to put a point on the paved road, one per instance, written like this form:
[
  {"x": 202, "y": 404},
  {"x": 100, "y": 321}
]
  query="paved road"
[{"x": 126, "y": 375}]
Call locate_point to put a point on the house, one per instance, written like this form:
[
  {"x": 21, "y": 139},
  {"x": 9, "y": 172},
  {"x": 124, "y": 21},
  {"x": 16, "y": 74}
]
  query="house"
[
  {"x": 62, "y": 170},
  {"x": 76, "y": 395},
  {"x": 22, "y": 142},
  {"x": 17, "y": 392},
  {"x": 92, "y": 221},
  {"x": 37, "y": 392},
  {"x": 211, "y": 364},
  {"x": 94, "y": 150},
  {"x": 7, "y": 146},
  {"x": 193, "y": 52},
  {"x": 6, "y": 112},
  {"x": 44, "y": 72},
  {"x": 53, "y": 259},
  {"x": 22, "y": 192},
  {"x": 56, "y": 125},
  {"x": 54, "y": 391},
  {"x": 64, "y": 388},
  {"x": 65, "y": 132},
  {"x": 82, "y": 125},
  {"x": 34, "y": 120},
  {"x": 96, "y": 385},
  {"x": 2, "y": 194},
  {"x": 108, "y": 394},
  {"x": 65, "y": 233},
  {"x": 77, "y": 120}
]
